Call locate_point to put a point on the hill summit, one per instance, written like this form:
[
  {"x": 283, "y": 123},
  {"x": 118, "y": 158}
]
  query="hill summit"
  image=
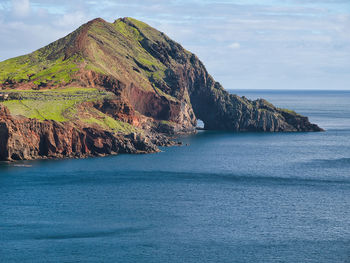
[{"x": 118, "y": 87}]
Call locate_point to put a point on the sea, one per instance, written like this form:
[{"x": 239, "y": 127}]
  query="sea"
[{"x": 221, "y": 197}]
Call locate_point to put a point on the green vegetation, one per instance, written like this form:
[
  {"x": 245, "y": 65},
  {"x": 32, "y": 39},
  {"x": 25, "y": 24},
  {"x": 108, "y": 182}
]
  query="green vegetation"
[
  {"x": 289, "y": 111},
  {"x": 170, "y": 123},
  {"x": 109, "y": 123},
  {"x": 94, "y": 68},
  {"x": 151, "y": 67},
  {"x": 41, "y": 110},
  {"x": 41, "y": 72},
  {"x": 127, "y": 31},
  {"x": 60, "y": 72},
  {"x": 161, "y": 93},
  {"x": 146, "y": 30},
  {"x": 94, "y": 116},
  {"x": 63, "y": 105},
  {"x": 68, "y": 93},
  {"x": 55, "y": 63},
  {"x": 119, "y": 50},
  {"x": 59, "y": 104},
  {"x": 138, "y": 23}
]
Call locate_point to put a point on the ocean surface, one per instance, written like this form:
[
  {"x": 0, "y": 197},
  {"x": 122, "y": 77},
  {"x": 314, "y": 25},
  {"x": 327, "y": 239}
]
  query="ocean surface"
[{"x": 226, "y": 197}]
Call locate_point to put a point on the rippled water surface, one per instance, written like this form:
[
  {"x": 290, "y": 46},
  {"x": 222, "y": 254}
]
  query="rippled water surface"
[{"x": 244, "y": 197}]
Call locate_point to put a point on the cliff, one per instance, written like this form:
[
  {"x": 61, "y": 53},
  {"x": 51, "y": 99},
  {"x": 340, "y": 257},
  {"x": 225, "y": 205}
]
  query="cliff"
[{"x": 114, "y": 88}]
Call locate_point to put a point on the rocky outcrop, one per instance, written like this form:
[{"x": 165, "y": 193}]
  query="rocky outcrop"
[
  {"x": 218, "y": 109},
  {"x": 158, "y": 88},
  {"x": 26, "y": 139}
]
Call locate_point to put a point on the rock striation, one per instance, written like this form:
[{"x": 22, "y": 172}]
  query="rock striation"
[
  {"x": 26, "y": 139},
  {"x": 152, "y": 89}
]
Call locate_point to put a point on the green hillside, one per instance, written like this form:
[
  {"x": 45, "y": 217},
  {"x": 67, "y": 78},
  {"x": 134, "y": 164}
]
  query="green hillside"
[{"x": 48, "y": 81}]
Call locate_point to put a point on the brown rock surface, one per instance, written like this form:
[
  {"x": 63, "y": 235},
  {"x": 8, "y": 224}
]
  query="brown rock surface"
[
  {"x": 26, "y": 139},
  {"x": 158, "y": 87}
]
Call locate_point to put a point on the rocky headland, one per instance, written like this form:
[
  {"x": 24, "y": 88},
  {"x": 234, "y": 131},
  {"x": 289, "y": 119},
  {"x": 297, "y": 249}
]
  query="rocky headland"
[{"x": 120, "y": 87}]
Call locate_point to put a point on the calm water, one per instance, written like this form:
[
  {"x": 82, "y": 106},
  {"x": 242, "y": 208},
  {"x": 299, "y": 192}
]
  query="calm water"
[{"x": 226, "y": 197}]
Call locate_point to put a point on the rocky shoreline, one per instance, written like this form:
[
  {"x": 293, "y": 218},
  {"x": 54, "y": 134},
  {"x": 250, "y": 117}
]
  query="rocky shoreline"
[
  {"x": 121, "y": 87},
  {"x": 28, "y": 139}
]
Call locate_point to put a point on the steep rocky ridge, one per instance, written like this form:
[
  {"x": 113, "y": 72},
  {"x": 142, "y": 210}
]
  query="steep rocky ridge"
[{"x": 156, "y": 87}]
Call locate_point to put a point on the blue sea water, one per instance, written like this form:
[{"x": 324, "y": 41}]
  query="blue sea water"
[{"x": 227, "y": 197}]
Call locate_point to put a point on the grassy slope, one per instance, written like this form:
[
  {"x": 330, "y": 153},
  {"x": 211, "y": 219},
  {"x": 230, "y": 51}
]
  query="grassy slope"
[
  {"x": 58, "y": 105},
  {"x": 26, "y": 68},
  {"x": 63, "y": 105},
  {"x": 47, "y": 64},
  {"x": 94, "y": 116},
  {"x": 115, "y": 50},
  {"x": 111, "y": 49}
]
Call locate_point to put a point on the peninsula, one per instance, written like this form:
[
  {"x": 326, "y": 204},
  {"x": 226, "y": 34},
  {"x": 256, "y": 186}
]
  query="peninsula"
[{"x": 121, "y": 87}]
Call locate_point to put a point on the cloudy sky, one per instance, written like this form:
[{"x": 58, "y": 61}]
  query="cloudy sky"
[{"x": 269, "y": 44}]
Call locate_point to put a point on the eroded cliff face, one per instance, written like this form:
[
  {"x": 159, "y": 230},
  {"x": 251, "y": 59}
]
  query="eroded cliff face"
[
  {"x": 218, "y": 109},
  {"x": 146, "y": 87},
  {"x": 27, "y": 139}
]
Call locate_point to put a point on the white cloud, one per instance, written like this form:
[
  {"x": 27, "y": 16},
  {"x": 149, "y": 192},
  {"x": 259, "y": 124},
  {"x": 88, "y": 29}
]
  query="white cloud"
[
  {"x": 235, "y": 45},
  {"x": 72, "y": 20},
  {"x": 21, "y": 8},
  {"x": 294, "y": 40}
]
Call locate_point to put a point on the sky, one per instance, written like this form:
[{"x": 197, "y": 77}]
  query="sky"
[{"x": 245, "y": 44}]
